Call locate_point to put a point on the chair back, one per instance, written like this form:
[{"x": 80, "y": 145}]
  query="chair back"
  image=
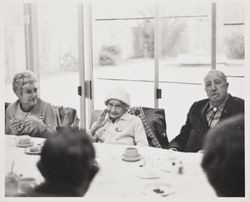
[
  {"x": 66, "y": 117},
  {"x": 6, "y": 104},
  {"x": 154, "y": 123}
]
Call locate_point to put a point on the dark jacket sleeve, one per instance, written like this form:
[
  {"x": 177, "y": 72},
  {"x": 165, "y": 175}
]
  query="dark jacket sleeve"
[{"x": 179, "y": 142}]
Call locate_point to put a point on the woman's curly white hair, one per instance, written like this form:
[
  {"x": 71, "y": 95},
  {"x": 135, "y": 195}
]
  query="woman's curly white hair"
[{"x": 21, "y": 79}]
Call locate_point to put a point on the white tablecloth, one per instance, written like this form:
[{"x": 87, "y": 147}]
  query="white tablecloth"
[{"x": 120, "y": 179}]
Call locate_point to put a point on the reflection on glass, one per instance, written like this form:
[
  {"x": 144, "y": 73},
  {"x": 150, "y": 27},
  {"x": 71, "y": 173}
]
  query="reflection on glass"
[
  {"x": 231, "y": 46},
  {"x": 185, "y": 58},
  {"x": 14, "y": 45},
  {"x": 123, "y": 43},
  {"x": 58, "y": 53}
]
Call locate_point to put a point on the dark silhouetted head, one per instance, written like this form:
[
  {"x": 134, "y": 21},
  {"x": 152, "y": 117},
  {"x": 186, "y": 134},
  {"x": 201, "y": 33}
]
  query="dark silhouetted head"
[
  {"x": 68, "y": 158},
  {"x": 223, "y": 159}
]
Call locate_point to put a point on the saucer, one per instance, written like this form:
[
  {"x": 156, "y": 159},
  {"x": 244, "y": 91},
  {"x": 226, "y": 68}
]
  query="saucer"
[
  {"x": 147, "y": 174},
  {"x": 131, "y": 159},
  {"x": 28, "y": 151}
]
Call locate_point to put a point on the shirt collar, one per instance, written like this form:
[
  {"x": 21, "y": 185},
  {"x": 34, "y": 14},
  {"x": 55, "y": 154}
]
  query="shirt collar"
[
  {"x": 125, "y": 116},
  {"x": 221, "y": 106}
]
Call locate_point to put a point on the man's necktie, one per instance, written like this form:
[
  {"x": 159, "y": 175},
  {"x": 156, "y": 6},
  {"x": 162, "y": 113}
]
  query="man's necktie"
[{"x": 211, "y": 118}]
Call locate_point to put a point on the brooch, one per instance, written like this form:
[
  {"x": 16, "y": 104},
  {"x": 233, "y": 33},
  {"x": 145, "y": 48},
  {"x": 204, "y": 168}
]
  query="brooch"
[{"x": 118, "y": 130}]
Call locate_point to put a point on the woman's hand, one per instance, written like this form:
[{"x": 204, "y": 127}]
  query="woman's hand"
[
  {"x": 16, "y": 126},
  {"x": 101, "y": 120},
  {"x": 33, "y": 123}
]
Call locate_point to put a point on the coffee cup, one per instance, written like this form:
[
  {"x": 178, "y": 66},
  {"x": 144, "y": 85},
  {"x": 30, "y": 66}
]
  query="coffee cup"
[
  {"x": 131, "y": 152},
  {"x": 24, "y": 140},
  {"x": 27, "y": 183}
]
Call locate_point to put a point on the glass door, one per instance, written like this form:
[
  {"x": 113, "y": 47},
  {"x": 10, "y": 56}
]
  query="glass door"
[
  {"x": 185, "y": 58},
  {"x": 123, "y": 51}
]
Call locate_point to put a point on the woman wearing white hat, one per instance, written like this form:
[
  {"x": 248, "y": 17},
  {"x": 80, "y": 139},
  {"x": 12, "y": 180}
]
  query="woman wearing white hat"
[{"x": 115, "y": 125}]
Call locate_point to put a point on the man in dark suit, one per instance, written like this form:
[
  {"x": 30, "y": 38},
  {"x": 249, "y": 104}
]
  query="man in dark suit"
[{"x": 206, "y": 113}]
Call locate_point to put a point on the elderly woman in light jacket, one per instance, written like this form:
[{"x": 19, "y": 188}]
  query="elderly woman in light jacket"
[
  {"x": 115, "y": 125},
  {"x": 29, "y": 115}
]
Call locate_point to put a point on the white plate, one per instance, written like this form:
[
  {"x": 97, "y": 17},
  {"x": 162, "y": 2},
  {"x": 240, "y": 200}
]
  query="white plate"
[
  {"x": 146, "y": 173},
  {"x": 27, "y": 151},
  {"x": 159, "y": 189},
  {"x": 131, "y": 159}
]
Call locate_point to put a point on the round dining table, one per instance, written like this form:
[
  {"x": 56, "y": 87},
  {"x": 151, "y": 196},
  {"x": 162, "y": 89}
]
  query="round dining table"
[{"x": 156, "y": 175}]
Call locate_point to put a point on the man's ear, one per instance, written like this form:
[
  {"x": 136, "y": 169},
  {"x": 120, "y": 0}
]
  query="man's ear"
[
  {"x": 93, "y": 171},
  {"x": 86, "y": 183},
  {"x": 41, "y": 169}
]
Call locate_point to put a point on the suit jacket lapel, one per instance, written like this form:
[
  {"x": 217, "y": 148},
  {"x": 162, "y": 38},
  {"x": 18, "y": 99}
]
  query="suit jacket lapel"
[
  {"x": 226, "y": 111},
  {"x": 204, "y": 123}
]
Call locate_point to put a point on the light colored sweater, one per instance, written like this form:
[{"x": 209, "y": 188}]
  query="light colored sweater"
[
  {"x": 128, "y": 130},
  {"x": 42, "y": 110}
]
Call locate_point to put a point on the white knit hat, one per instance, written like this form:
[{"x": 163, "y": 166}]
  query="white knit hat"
[{"x": 118, "y": 94}]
